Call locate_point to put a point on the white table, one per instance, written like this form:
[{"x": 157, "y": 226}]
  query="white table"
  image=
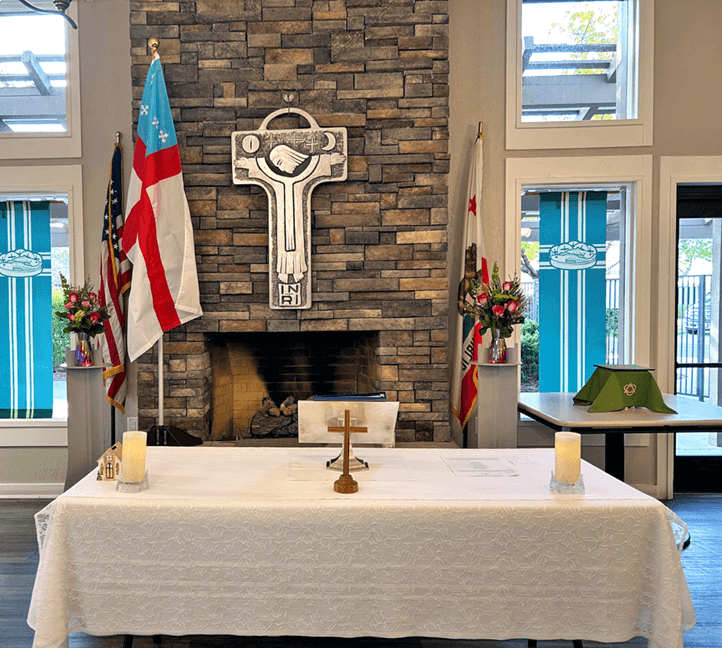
[
  {"x": 254, "y": 541},
  {"x": 558, "y": 411}
]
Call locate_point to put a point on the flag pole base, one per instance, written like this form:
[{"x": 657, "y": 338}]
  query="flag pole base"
[{"x": 169, "y": 435}]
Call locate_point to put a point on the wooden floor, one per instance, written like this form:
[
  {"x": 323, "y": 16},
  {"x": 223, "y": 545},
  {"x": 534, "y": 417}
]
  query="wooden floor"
[{"x": 19, "y": 558}]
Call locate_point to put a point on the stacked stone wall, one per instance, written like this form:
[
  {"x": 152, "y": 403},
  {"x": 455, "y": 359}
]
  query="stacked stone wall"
[{"x": 379, "y": 240}]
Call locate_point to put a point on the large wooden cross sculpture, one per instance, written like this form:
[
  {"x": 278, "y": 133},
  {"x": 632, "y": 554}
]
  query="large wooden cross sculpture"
[
  {"x": 345, "y": 483},
  {"x": 289, "y": 164}
]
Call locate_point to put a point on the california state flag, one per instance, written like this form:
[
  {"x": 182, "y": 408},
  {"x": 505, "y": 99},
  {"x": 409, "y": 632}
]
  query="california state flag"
[{"x": 464, "y": 381}]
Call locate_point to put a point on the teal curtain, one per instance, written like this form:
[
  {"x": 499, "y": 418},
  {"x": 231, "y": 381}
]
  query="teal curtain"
[
  {"x": 26, "y": 348},
  {"x": 572, "y": 288}
]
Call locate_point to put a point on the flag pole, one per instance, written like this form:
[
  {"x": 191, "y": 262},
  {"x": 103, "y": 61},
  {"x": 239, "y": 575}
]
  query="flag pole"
[
  {"x": 154, "y": 44},
  {"x": 114, "y": 282},
  {"x": 165, "y": 291},
  {"x": 160, "y": 381},
  {"x": 161, "y": 424},
  {"x": 118, "y": 135}
]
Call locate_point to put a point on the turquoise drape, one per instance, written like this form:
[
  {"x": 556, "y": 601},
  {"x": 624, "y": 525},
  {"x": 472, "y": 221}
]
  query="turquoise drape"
[
  {"x": 26, "y": 348},
  {"x": 572, "y": 288}
]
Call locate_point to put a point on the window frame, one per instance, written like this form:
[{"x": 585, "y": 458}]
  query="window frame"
[
  {"x": 26, "y": 146},
  {"x": 65, "y": 179},
  {"x": 590, "y": 134},
  {"x": 635, "y": 170},
  {"x": 674, "y": 170}
]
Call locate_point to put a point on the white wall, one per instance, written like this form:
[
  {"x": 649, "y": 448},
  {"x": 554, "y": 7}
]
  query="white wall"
[
  {"x": 38, "y": 470},
  {"x": 686, "y": 122}
]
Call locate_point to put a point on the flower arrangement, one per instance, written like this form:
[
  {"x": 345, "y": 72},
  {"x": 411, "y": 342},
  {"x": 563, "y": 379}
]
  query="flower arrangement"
[
  {"x": 81, "y": 309},
  {"x": 499, "y": 305}
]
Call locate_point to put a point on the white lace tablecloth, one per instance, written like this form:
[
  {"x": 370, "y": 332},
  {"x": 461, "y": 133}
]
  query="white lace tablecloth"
[{"x": 254, "y": 541}]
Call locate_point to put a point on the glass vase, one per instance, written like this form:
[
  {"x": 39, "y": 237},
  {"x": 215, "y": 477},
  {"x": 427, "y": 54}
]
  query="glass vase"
[
  {"x": 497, "y": 348},
  {"x": 83, "y": 352}
]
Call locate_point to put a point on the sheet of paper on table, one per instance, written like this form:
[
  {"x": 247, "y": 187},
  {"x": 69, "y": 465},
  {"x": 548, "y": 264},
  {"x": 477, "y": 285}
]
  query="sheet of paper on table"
[
  {"x": 312, "y": 467},
  {"x": 481, "y": 467}
]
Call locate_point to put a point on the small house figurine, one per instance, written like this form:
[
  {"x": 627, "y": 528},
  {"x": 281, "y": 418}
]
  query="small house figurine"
[{"x": 109, "y": 463}]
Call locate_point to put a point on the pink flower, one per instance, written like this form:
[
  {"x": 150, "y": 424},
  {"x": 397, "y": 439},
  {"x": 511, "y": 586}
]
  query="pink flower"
[
  {"x": 85, "y": 304},
  {"x": 95, "y": 317},
  {"x": 68, "y": 306},
  {"x": 512, "y": 306},
  {"x": 506, "y": 286},
  {"x": 73, "y": 297},
  {"x": 71, "y": 317},
  {"x": 483, "y": 298},
  {"x": 92, "y": 296},
  {"x": 497, "y": 310}
]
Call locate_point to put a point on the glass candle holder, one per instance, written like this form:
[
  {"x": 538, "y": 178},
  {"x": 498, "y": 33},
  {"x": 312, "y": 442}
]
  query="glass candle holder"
[
  {"x": 133, "y": 477},
  {"x": 576, "y": 488}
]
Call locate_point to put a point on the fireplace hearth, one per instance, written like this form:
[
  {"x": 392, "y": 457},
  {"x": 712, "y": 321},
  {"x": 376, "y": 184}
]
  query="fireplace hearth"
[{"x": 257, "y": 378}]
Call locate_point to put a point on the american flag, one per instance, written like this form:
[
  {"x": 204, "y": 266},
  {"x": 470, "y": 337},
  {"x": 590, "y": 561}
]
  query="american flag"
[
  {"x": 158, "y": 232},
  {"x": 114, "y": 281}
]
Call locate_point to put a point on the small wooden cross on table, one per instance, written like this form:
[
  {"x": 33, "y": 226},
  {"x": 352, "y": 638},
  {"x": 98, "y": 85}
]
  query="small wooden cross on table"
[{"x": 345, "y": 483}]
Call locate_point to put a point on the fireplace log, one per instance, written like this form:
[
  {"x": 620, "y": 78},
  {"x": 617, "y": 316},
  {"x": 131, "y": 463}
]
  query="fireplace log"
[{"x": 274, "y": 421}]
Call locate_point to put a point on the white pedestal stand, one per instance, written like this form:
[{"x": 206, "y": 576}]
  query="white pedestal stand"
[
  {"x": 86, "y": 430},
  {"x": 496, "y": 414}
]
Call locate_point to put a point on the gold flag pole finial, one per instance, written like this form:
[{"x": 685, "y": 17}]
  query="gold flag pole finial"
[
  {"x": 154, "y": 44},
  {"x": 118, "y": 135},
  {"x": 481, "y": 130}
]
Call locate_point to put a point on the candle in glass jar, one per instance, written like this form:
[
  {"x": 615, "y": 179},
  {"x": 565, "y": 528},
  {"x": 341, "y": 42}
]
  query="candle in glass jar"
[
  {"x": 567, "y": 457},
  {"x": 134, "y": 444}
]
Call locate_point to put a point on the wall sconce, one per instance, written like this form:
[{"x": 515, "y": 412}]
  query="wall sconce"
[{"x": 60, "y": 5}]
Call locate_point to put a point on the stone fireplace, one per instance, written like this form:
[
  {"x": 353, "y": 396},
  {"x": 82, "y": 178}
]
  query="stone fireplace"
[
  {"x": 379, "y": 239},
  {"x": 247, "y": 368}
]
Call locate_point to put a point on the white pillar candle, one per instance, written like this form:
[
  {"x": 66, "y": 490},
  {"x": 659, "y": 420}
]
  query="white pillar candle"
[
  {"x": 567, "y": 457},
  {"x": 134, "y": 444}
]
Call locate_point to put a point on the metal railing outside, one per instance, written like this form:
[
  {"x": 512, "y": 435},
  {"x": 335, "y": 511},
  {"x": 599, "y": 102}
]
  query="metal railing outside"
[
  {"x": 693, "y": 339},
  {"x": 693, "y": 326},
  {"x": 531, "y": 292}
]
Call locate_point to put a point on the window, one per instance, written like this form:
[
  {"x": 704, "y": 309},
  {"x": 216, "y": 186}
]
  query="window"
[
  {"x": 676, "y": 326},
  {"x": 24, "y": 193},
  {"x": 34, "y": 251},
  {"x": 619, "y": 189},
  {"x": 573, "y": 255},
  {"x": 39, "y": 89},
  {"x": 579, "y": 74},
  {"x": 676, "y": 172}
]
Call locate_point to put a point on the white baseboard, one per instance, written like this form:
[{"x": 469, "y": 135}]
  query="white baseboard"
[{"x": 31, "y": 491}]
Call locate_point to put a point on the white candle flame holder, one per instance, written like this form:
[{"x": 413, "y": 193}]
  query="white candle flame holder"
[
  {"x": 567, "y": 489},
  {"x": 132, "y": 487}
]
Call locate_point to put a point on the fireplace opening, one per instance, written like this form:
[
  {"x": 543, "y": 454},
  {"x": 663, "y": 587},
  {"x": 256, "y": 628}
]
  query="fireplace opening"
[{"x": 258, "y": 377}]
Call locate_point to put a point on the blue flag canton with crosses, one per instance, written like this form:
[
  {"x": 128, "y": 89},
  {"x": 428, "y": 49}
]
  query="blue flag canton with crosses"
[{"x": 155, "y": 122}]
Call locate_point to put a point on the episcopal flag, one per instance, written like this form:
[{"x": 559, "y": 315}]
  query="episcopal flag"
[
  {"x": 465, "y": 375},
  {"x": 158, "y": 237},
  {"x": 114, "y": 281}
]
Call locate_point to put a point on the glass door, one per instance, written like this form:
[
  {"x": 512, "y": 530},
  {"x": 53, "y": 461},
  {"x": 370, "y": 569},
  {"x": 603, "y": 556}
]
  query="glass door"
[{"x": 698, "y": 456}]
